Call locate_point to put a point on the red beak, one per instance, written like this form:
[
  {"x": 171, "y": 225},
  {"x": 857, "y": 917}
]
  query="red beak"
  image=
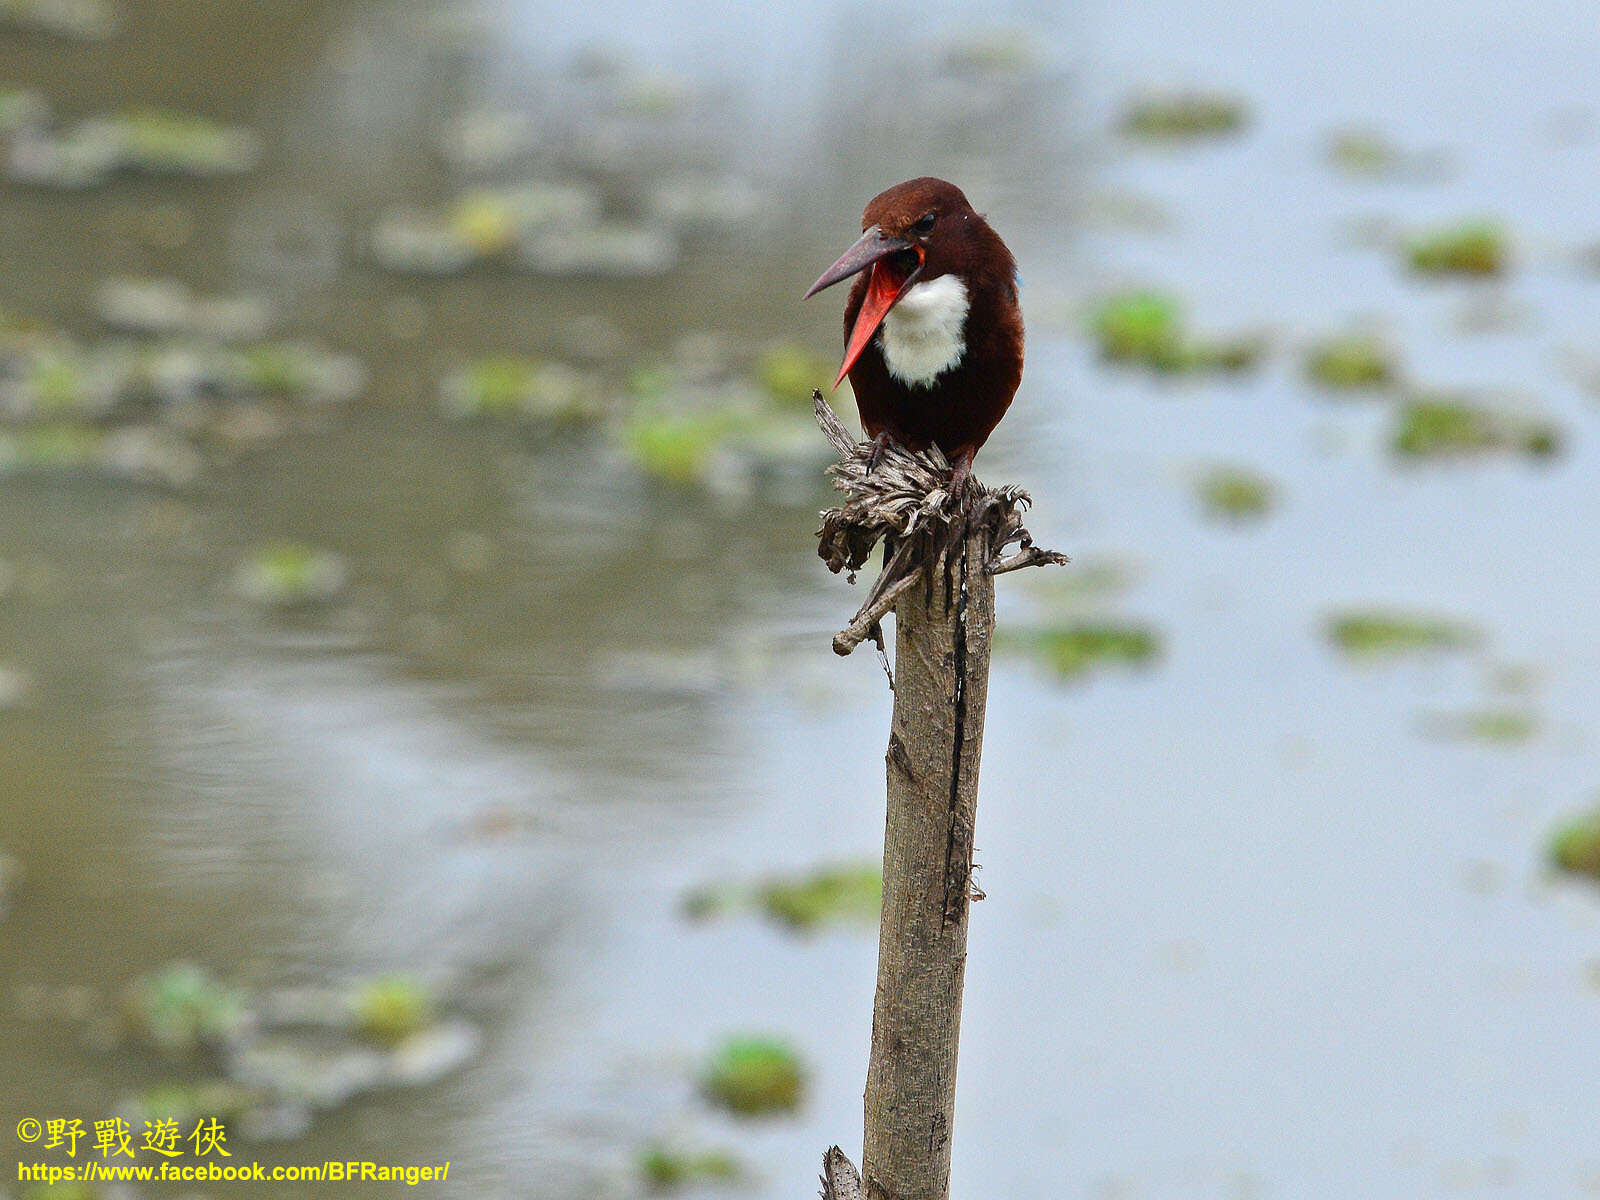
[{"x": 885, "y": 285}]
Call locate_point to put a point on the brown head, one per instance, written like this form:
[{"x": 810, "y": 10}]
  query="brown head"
[{"x": 917, "y": 230}]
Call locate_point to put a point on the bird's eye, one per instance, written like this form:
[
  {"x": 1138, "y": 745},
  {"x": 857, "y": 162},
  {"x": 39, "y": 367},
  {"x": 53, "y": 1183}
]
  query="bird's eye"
[{"x": 925, "y": 226}]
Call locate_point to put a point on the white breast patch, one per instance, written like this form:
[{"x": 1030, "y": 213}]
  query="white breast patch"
[{"x": 924, "y": 335}]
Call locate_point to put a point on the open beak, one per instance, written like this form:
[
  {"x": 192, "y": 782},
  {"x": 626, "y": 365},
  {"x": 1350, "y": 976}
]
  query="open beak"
[{"x": 878, "y": 253}]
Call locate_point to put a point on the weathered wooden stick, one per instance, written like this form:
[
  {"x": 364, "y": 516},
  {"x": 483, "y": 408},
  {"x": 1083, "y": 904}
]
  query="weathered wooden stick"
[
  {"x": 942, "y": 637},
  {"x": 943, "y": 631}
]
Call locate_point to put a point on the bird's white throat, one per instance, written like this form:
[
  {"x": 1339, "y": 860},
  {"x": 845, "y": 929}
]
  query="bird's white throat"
[{"x": 925, "y": 333}]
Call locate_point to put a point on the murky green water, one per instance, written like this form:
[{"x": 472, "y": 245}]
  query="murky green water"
[{"x": 1253, "y": 927}]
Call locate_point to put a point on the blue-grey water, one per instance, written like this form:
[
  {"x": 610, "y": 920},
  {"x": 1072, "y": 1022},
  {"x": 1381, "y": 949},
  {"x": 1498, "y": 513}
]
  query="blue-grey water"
[{"x": 1250, "y": 932}]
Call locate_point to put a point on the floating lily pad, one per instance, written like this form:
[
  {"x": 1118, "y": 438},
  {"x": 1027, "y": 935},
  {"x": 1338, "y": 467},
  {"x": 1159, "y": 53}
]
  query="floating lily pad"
[
  {"x": 752, "y": 1076},
  {"x": 993, "y": 52},
  {"x": 1148, "y": 329},
  {"x": 1183, "y": 116},
  {"x": 789, "y": 372},
  {"x": 1073, "y": 651},
  {"x": 290, "y": 574},
  {"x": 392, "y": 1008},
  {"x": 164, "y": 142},
  {"x": 510, "y": 386},
  {"x": 676, "y": 447},
  {"x": 299, "y": 369},
  {"x": 664, "y": 1168},
  {"x": 1366, "y": 153},
  {"x": 1234, "y": 494},
  {"x": 1444, "y": 427},
  {"x": 1476, "y": 247},
  {"x": 51, "y": 447},
  {"x": 846, "y": 893},
  {"x": 1379, "y": 633},
  {"x": 1496, "y": 726},
  {"x": 1352, "y": 361},
  {"x": 1575, "y": 845},
  {"x": 183, "y": 1007},
  {"x": 152, "y": 141}
]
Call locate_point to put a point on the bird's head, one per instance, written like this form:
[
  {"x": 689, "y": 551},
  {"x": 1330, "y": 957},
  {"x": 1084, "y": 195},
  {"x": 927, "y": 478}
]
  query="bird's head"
[{"x": 915, "y": 231}]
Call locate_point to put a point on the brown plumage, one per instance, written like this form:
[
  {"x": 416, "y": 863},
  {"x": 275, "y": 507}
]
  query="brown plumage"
[{"x": 922, "y": 387}]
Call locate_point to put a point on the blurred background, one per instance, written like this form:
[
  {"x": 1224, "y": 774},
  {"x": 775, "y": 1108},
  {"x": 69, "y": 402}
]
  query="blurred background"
[{"x": 419, "y": 737}]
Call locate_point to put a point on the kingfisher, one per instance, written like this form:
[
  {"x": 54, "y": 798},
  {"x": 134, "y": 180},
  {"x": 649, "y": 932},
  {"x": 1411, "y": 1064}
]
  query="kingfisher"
[{"x": 933, "y": 329}]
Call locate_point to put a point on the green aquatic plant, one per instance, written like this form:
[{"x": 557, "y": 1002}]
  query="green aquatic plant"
[
  {"x": 289, "y": 574},
  {"x": 1476, "y": 247},
  {"x": 166, "y": 142},
  {"x": 513, "y": 386},
  {"x": 1142, "y": 327},
  {"x": 1493, "y": 726},
  {"x": 1147, "y": 328},
  {"x": 752, "y": 1076},
  {"x": 1575, "y": 845},
  {"x": 676, "y": 447},
  {"x": 847, "y": 893},
  {"x": 1352, "y": 361},
  {"x": 1181, "y": 116},
  {"x": 666, "y": 1169},
  {"x": 57, "y": 445},
  {"x": 1234, "y": 494},
  {"x": 843, "y": 893},
  {"x": 1445, "y": 427},
  {"x": 182, "y": 1006},
  {"x": 1362, "y": 152},
  {"x": 391, "y": 1008},
  {"x": 1074, "y": 650},
  {"x": 1382, "y": 633},
  {"x": 788, "y": 372},
  {"x": 297, "y": 370}
]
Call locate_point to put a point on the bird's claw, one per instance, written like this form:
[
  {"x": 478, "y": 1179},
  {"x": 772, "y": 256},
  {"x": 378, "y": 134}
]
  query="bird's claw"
[{"x": 880, "y": 443}]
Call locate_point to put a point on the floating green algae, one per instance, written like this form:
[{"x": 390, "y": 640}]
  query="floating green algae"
[
  {"x": 290, "y": 574},
  {"x": 752, "y": 1076},
  {"x": 676, "y": 447},
  {"x": 1477, "y": 248},
  {"x": 1184, "y": 116},
  {"x": 514, "y": 386},
  {"x": 1075, "y": 650},
  {"x": 1380, "y": 633},
  {"x": 666, "y": 1169},
  {"x": 788, "y": 372},
  {"x": 391, "y": 1008},
  {"x": 848, "y": 893},
  {"x": 1575, "y": 845},
  {"x": 844, "y": 893},
  {"x": 1491, "y": 726},
  {"x": 1148, "y": 328},
  {"x": 1235, "y": 494},
  {"x": 182, "y": 1007},
  {"x": 1446, "y": 427},
  {"x": 1356, "y": 361}
]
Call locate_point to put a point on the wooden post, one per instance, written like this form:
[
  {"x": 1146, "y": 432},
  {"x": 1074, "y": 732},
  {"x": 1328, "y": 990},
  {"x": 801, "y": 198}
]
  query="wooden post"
[
  {"x": 940, "y": 584},
  {"x": 942, "y": 635}
]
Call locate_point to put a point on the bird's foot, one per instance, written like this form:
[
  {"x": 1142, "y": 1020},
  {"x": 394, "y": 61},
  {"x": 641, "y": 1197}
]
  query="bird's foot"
[
  {"x": 880, "y": 443},
  {"x": 960, "y": 478}
]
